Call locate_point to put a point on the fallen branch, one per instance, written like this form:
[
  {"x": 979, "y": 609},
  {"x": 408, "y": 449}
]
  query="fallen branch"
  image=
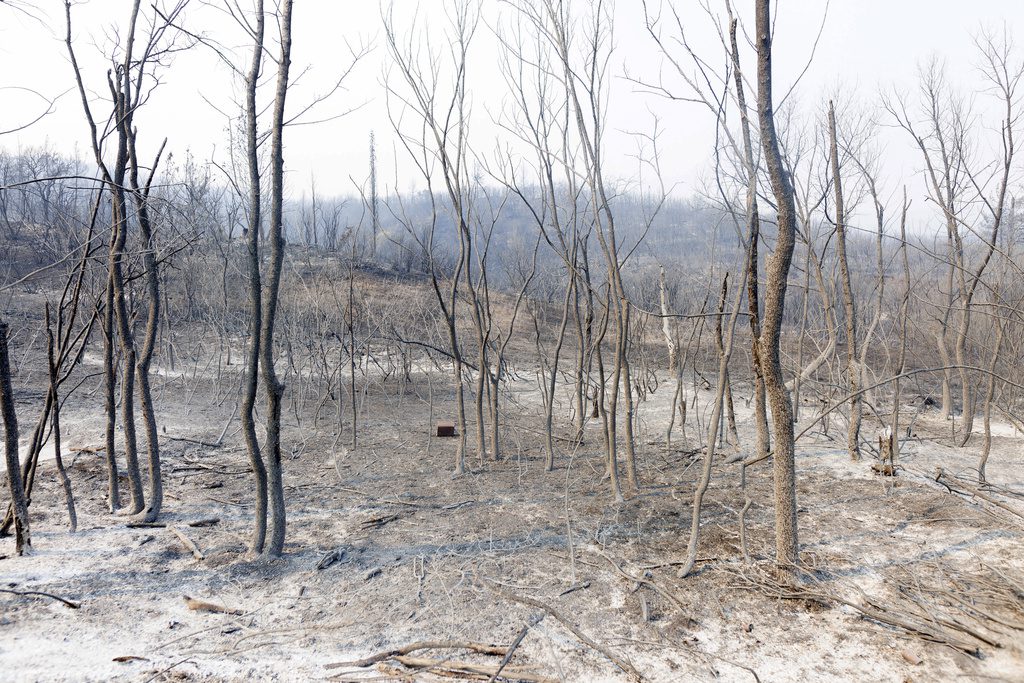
[
  {"x": 479, "y": 648},
  {"x": 638, "y": 579},
  {"x": 511, "y": 651},
  {"x": 70, "y": 603},
  {"x": 573, "y": 628},
  {"x": 470, "y": 668},
  {"x": 574, "y": 588},
  {"x": 950, "y": 481}
]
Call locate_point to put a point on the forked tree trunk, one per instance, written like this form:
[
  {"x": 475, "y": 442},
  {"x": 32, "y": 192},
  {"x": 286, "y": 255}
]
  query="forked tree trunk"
[{"x": 273, "y": 386}]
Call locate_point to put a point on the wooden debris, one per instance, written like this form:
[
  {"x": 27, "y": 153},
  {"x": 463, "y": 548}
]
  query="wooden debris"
[
  {"x": 204, "y": 606},
  {"x": 188, "y": 543},
  {"x": 129, "y": 658}
]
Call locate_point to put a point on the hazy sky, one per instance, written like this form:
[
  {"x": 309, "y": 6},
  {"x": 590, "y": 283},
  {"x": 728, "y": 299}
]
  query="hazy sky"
[{"x": 866, "y": 45}]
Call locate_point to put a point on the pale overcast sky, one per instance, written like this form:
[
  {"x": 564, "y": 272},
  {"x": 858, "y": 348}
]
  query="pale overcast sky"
[{"x": 866, "y": 45}]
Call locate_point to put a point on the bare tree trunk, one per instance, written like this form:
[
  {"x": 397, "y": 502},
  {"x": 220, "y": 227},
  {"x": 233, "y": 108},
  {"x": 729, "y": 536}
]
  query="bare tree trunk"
[
  {"x": 19, "y": 501},
  {"x": 853, "y": 373},
  {"x": 272, "y": 385},
  {"x": 730, "y": 409},
  {"x": 763, "y": 445},
  {"x": 674, "y": 362},
  {"x": 478, "y": 403},
  {"x": 110, "y": 399},
  {"x": 605, "y": 406},
  {"x": 990, "y": 392},
  {"x": 127, "y": 92},
  {"x": 876, "y": 318},
  {"x": 255, "y": 220},
  {"x": 552, "y": 379},
  {"x": 128, "y": 355},
  {"x": 585, "y": 341},
  {"x": 627, "y": 385},
  {"x": 156, "y": 494},
  {"x": 902, "y": 363},
  {"x": 352, "y": 345},
  {"x": 713, "y": 430},
  {"x": 802, "y": 334},
  {"x": 666, "y": 322},
  {"x": 58, "y": 458},
  {"x": 777, "y": 272}
]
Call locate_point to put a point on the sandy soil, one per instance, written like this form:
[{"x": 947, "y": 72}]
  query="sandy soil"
[{"x": 425, "y": 556}]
